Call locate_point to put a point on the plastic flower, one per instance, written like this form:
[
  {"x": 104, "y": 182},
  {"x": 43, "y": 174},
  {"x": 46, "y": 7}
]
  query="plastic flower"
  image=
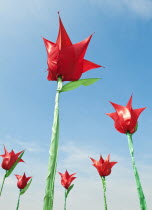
[
  {"x": 67, "y": 179},
  {"x": 9, "y": 159},
  {"x": 66, "y": 59},
  {"x": 22, "y": 181},
  {"x": 103, "y": 166},
  {"x": 125, "y": 117}
]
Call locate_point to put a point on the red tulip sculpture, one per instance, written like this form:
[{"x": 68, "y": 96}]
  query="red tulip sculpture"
[
  {"x": 66, "y": 180},
  {"x": 10, "y": 161},
  {"x": 104, "y": 169},
  {"x": 23, "y": 184},
  {"x": 65, "y": 63},
  {"x": 126, "y": 121}
]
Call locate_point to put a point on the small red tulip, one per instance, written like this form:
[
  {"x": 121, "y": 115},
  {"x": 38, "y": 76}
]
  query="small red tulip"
[
  {"x": 103, "y": 166},
  {"x": 66, "y": 59},
  {"x": 22, "y": 181},
  {"x": 66, "y": 179},
  {"x": 9, "y": 159},
  {"x": 125, "y": 117}
]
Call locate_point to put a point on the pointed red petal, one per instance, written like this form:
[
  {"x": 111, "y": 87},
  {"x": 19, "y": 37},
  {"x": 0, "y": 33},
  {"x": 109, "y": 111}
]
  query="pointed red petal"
[
  {"x": 73, "y": 174},
  {"x": 17, "y": 154},
  {"x": 49, "y": 45},
  {"x": 71, "y": 179},
  {"x": 122, "y": 111},
  {"x": 22, "y": 161},
  {"x": 137, "y": 112},
  {"x": 18, "y": 176},
  {"x": 63, "y": 39},
  {"x": 67, "y": 174},
  {"x": 112, "y": 164},
  {"x": 88, "y": 65},
  {"x": 27, "y": 178},
  {"x": 6, "y": 153},
  {"x": 108, "y": 158},
  {"x": 93, "y": 160},
  {"x": 12, "y": 153},
  {"x": 129, "y": 104},
  {"x": 5, "y": 150},
  {"x": 81, "y": 47},
  {"x": 113, "y": 115},
  {"x": 134, "y": 116},
  {"x": 101, "y": 160}
]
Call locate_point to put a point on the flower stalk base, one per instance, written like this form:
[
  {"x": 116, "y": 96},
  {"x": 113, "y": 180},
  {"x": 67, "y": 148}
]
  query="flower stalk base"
[
  {"x": 18, "y": 202},
  {"x": 2, "y": 185},
  {"x": 104, "y": 191},
  {"x": 65, "y": 197},
  {"x": 143, "y": 205}
]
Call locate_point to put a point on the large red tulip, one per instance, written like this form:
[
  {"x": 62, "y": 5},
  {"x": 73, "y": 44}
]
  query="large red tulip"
[
  {"x": 22, "y": 181},
  {"x": 103, "y": 166},
  {"x": 67, "y": 179},
  {"x": 9, "y": 159},
  {"x": 125, "y": 117},
  {"x": 66, "y": 59}
]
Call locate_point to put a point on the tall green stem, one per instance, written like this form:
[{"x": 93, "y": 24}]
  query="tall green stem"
[
  {"x": 143, "y": 205},
  {"x": 2, "y": 184},
  {"x": 18, "y": 202},
  {"x": 65, "y": 197},
  {"x": 53, "y": 152},
  {"x": 104, "y": 191}
]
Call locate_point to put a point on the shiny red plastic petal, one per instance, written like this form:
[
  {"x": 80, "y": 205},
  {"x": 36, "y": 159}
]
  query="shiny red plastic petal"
[
  {"x": 88, "y": 65},
  {"x": 103, "y": 166},
  {"x": 125, "y": 117},
  {"x": 9, "y": 159},
  {"x": 63, "y": 39},
  {"x": 66, "y": 59},
  {"x": 66, "y": 179},
  {"x": 22, "y": 181}
]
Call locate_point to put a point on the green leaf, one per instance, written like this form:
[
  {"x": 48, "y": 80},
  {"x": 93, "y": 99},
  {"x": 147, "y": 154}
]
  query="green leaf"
[
  {"x": 69, "y": 189},
  {"x": 75, "y": 84},
  {"x": 15, "y": 164},
  {"x": 25, "y": 188}
]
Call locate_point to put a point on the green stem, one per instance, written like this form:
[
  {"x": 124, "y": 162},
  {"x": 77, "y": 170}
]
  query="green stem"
[
  {"x": 104, "y": 190},
  {"x": 143, "y": 205},
  {"x": 65, "y": 197},
  {"x": 53, "y": 152},
  {"x": 18, "y": 202},
  {"x": 2, "y": 184}
]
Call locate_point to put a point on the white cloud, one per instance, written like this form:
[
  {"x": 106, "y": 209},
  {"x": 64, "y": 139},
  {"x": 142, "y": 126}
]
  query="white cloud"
[
  {"x": 140, "y": 8},
  {"x": 21, "y": 144}
]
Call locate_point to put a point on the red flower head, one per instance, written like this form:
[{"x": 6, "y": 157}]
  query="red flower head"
[
  {"x": 66, "y": 179},
  {"x": 9, "y": 159},
  {"x": 66, "y": 59},
  {"x": 125, "y": 117},
  {"x": 22, "y": 181},
  {"x": 103, "y": 166}
]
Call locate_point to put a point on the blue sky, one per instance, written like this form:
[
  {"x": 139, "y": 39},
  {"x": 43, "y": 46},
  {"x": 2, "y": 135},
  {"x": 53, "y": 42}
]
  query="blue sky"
[{"x": 121, "y": 43}]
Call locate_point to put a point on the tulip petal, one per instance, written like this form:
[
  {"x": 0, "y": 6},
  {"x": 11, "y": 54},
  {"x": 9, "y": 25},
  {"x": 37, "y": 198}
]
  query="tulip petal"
[
  {"x": 103, "y": 166},
  {"x": 88, "y": 65},
  {"x": 112, "y": 164},
  {"x": 122, "y": 111},
  {"x": 63, "y": 39},
  {"x": 129, "y": 104},
  {"x": 113, "y": 115},
  {"x": 49, "y": 45}
]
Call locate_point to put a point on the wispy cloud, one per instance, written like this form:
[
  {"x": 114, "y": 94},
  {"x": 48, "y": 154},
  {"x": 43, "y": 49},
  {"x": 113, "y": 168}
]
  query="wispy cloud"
[
  {"x": 21, "y": 143},
  {"x": 140, "y": 8}
]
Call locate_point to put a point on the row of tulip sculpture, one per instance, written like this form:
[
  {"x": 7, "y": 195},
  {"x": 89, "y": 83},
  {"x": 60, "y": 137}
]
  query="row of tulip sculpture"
[{"x": 66, "y": 63}]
